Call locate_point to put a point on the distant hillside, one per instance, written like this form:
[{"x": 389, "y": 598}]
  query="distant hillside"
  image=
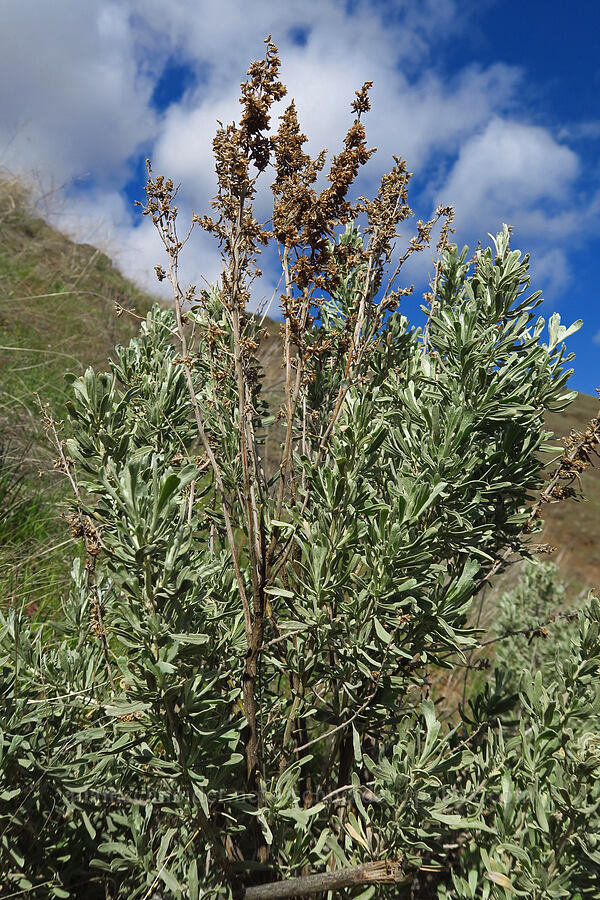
[
  {"x": 574, "y": 527},
  {"x": 57, "y": 309},
  {"x": 57, "y": 314}
]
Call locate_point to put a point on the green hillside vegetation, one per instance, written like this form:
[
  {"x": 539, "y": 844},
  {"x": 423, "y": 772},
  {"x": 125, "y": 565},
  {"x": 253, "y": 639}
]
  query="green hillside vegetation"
[
  {"x": 58, "y": 305},
  {"x": 57, "y": 314}
]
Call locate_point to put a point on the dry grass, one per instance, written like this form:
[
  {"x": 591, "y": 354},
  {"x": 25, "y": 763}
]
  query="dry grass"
[
  {"x": 57, "y": 309},
  {"x": 574, "y": 527},
  {"x": 57, "y": 314}
]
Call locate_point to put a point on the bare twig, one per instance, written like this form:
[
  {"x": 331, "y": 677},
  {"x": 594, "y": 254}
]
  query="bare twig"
[{"x": 387, "y": 871}]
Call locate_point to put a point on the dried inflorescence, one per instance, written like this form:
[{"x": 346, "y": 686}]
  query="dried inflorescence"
[
  {"x": 296, "y": 172},
  {"x": 160, "y": 194},
  {"x": 389, "y": 208},
  {"x": 304, "y": 225},
  {"x": 577, "y": 457},
  {"x": 261, "y": 89},
  {"x": 96, "y": 616},
  {"x": 304, "y": 221},
  {"x": 82, "y": 528},
  {"x": 237, "y": 148}
]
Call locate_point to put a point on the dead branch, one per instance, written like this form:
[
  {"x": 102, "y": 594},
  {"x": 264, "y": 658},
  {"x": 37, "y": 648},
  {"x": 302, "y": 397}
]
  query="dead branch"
[{"x": 387, "y": 871}]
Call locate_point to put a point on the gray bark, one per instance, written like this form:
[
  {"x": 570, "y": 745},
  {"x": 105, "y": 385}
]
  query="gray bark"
[{"x": 387, "y": 871}]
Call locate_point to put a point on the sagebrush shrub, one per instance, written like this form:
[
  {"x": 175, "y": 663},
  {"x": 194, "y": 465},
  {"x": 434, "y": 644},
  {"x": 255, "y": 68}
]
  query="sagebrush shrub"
[{"x": 238, "y": 689}]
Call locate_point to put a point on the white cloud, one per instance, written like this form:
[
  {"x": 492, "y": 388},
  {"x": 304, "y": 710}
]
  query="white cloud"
[
  {"x": 580, "y": 131},
  {"x": 505, "y": 169},
  {"x": 519, "y": 174},
  {"x": 549, "y": 270},
  {"x": 77, "y": 103},
  {"x": 104, "y": 219},
  {"x": 223, "y": 34},
  {"x": 81, "y": 103}
]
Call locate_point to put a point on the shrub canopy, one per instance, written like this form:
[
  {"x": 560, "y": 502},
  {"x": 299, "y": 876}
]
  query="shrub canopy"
[{"x": 240, "y": 688}]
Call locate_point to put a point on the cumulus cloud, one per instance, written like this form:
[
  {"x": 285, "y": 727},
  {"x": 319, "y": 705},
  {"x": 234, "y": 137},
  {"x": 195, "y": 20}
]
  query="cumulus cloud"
[
  {"x": 520, "y": 174},
  {"x": 81, "y": 112},
  {"x": 77, "y": 105},
  {"x": 505, "y": 169}
]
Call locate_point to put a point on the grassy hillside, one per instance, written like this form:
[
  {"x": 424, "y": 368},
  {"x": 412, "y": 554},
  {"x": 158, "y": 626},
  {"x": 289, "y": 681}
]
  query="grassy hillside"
[
  {"x": 57, "y": 314},
  {"x": 57, "y": 308}
]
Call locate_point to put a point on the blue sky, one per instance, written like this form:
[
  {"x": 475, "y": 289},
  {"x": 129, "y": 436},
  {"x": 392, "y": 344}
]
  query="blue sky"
[{"x": 493, "y": 103}]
